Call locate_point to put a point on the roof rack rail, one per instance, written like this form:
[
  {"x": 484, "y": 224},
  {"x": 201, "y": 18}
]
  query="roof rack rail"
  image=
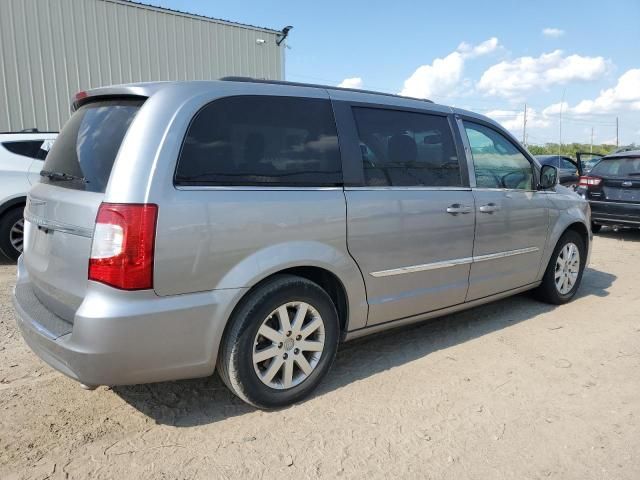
[{"x": 331, "y": 87}]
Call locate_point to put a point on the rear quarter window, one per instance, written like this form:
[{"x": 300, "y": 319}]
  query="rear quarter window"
[
  {"x": 87, "y": 146},
  {"x": 617, "y": 167},
  {"x": 261, "y": 141},
  {"x": 25, "y": 148}
]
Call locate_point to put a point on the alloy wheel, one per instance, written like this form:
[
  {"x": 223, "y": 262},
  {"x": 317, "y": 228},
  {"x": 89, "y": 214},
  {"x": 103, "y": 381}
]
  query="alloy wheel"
[
  {"x": 567, "y": 268},
  {"x": 288, "y": 345},
  {"x": 16, "y": 235}
]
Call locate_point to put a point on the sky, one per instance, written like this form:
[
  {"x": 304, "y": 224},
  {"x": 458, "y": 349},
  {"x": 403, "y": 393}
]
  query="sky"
[{"x": 576, "y": 59}]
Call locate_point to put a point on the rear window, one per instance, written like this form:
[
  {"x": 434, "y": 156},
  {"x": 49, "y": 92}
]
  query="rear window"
[
  {"x": 88, "y": 144},
  {"x": 261, "y": 141},
  {"x": 617, "y": 167}
]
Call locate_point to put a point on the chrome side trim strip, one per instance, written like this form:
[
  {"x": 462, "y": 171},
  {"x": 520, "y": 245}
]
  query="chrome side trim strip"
[
  {"x": 58, "y": 226},
  {"x": 407, "y": 189},
  {"x": 614, "y": 203},
  {"x": 509, "y": 253},
  {"x": 242, "y": 188},
  {"x": 452, "y": 263},
  {"x": 422, "y": 268}
]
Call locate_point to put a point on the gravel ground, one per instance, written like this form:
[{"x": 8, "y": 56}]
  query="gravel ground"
[{"x": 516, "y": 389}]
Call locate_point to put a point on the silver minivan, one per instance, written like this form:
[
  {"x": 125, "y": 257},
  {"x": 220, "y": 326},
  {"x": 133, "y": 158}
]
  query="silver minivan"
[{"x": 251, "y": 226}]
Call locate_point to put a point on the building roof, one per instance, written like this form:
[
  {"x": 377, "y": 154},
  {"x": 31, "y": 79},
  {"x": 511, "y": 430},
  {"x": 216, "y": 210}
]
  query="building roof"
[{"x": 192, "y": 15}]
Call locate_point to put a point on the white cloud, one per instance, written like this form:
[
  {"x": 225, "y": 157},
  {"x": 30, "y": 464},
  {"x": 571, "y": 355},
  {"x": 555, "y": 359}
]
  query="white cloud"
[
  {"x": 513, "y": 120},
  {"x": 353, "y": 82},
  {"x": 555, "y": 109},
  {"x": 435, "y": 79},
  {"x": 624, "y": 96},
  {"x": 470, "y": 51},
  {"x": 443, "y": 74},
  {"x": 552, "y": 32},
  {"x": 515, "y": 77}
]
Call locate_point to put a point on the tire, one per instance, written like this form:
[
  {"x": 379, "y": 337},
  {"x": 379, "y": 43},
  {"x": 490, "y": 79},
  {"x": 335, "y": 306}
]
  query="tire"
[
  {"x": 10, "y": 223},
  {"x": 595, "y": 227},
  {"x": 239, "y": 363},
  {"x": 549, "y": 291}
]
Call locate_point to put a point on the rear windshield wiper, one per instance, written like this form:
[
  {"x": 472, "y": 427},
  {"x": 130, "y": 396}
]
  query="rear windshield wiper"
[
  {"x": 51, "y": 175},
  {"x": 634, "y": 174}
]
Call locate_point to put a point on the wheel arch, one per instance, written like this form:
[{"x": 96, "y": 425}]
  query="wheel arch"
[
  {"x": 566, "y": 216},
  {"x": 581, "y": 229},
  {"x": 12, "y": 203},
  {"x": 325, "y": 278}
]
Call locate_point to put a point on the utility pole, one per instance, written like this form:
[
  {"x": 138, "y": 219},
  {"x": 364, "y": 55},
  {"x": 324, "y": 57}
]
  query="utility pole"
[
  {"x": 591, "y": 139},
  {"x": 617, "y": 136},
  {"x": 560, "y": 133},
  {"x": 524, "y": 126}
]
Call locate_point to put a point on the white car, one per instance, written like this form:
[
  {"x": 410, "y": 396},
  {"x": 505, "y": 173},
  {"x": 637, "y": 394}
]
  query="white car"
[{"x": 21, "y": 158}]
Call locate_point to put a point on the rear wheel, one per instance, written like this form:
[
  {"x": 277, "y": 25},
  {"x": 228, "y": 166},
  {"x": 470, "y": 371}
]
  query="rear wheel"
[
  {"x": 564, "y": 271},
  {"x": 595, "y": 227},
  {"x": 12, "y": 233},
  {"x": 280, "y": 343}
]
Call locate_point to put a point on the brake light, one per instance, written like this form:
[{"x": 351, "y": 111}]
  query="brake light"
[
  {"x": 81, "y": 95},
  {"x": 589, "y": 181},
  {"x": 123, "y": 245}
]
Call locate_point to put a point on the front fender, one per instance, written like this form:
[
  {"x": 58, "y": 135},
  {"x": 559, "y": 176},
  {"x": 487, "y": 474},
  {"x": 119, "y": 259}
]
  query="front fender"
[
  {"x": 276, "y": 258},
  {"x": 565, "y": 210}
]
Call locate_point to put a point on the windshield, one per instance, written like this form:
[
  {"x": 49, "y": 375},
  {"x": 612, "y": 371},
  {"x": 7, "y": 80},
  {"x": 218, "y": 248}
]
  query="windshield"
[
  {"x": 83, "y": 154},
  {"x": 617, "y": 167}
]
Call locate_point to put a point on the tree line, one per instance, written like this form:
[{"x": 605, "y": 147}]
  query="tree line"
[{"x": 570, "y": 149}]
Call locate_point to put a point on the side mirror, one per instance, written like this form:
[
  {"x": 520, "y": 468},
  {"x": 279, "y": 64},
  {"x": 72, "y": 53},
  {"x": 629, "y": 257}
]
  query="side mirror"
[{"x": 548, "y": 177}]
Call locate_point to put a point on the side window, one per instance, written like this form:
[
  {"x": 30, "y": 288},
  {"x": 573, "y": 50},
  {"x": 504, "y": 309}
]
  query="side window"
[
  {"x": 406, "y": 148},
  {"x": 497, "y": 161},
  {"x": 26, "y": 148},
  {"x": 261, "y": 140}
]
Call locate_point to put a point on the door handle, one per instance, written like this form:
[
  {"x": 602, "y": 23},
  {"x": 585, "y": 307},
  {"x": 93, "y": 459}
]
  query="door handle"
[
  {"x": 457, "y": 208},
  {"x": 489, "y": 208}
]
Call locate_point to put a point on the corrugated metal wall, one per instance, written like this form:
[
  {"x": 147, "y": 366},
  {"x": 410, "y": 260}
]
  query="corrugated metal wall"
[{"x": 50, "y": 49}]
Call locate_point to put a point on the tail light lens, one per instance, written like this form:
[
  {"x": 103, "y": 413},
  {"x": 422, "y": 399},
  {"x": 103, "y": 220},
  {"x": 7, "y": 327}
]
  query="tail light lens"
[
  {"x": 123, "y": 244},
  {"x": 589, "y": 181}
]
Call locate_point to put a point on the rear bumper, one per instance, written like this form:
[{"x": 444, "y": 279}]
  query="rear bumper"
[
  {"x": 122, "y": 338},
  {"x": 613, "y": 213}
]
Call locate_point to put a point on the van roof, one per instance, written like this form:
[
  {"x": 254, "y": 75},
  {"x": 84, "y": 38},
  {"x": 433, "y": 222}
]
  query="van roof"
[
  {"x": 315, "y": 85},
  {"x": 147, "y": 89}
]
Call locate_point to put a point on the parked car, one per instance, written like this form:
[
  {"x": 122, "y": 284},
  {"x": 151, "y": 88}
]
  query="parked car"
[
  {"x": 181, "y": 227},
  {"x": 21, "y": 158},
  {"x": 612, "y": 188},
  {"x": 568, "y": 169}
]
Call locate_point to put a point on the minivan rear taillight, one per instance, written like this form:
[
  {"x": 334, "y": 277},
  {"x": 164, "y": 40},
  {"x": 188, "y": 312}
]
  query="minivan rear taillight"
[
  {"x": 589, "y": 182},
  {"x": 123, "y": 243}
]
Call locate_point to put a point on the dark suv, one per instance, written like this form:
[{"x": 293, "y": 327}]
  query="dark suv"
[{"x": 613, "y": 190}]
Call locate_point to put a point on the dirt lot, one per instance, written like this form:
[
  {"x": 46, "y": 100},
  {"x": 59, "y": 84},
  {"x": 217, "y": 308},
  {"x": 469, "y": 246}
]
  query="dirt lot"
[{"x": 516, "y": 389}]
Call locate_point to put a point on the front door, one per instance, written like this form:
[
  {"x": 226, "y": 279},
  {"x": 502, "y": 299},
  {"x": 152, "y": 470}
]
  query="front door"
[
  {"x": 512, "y": 217},
  {"x": 410, "y": 221}
]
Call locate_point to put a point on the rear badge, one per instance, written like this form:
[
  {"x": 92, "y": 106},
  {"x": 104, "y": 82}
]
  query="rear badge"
[{"x": 627, "y": 184}]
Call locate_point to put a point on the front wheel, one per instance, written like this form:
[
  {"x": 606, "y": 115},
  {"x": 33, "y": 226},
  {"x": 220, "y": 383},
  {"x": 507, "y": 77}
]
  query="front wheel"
[
  {"x": 280, "y": 343},
  {"x": 564, "y": 271}
]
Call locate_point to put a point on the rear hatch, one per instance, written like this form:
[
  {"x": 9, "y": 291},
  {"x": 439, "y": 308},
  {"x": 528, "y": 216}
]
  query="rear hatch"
[
  {"x": 620, "y": 180},
  {"x": 61, "y": 210}
]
